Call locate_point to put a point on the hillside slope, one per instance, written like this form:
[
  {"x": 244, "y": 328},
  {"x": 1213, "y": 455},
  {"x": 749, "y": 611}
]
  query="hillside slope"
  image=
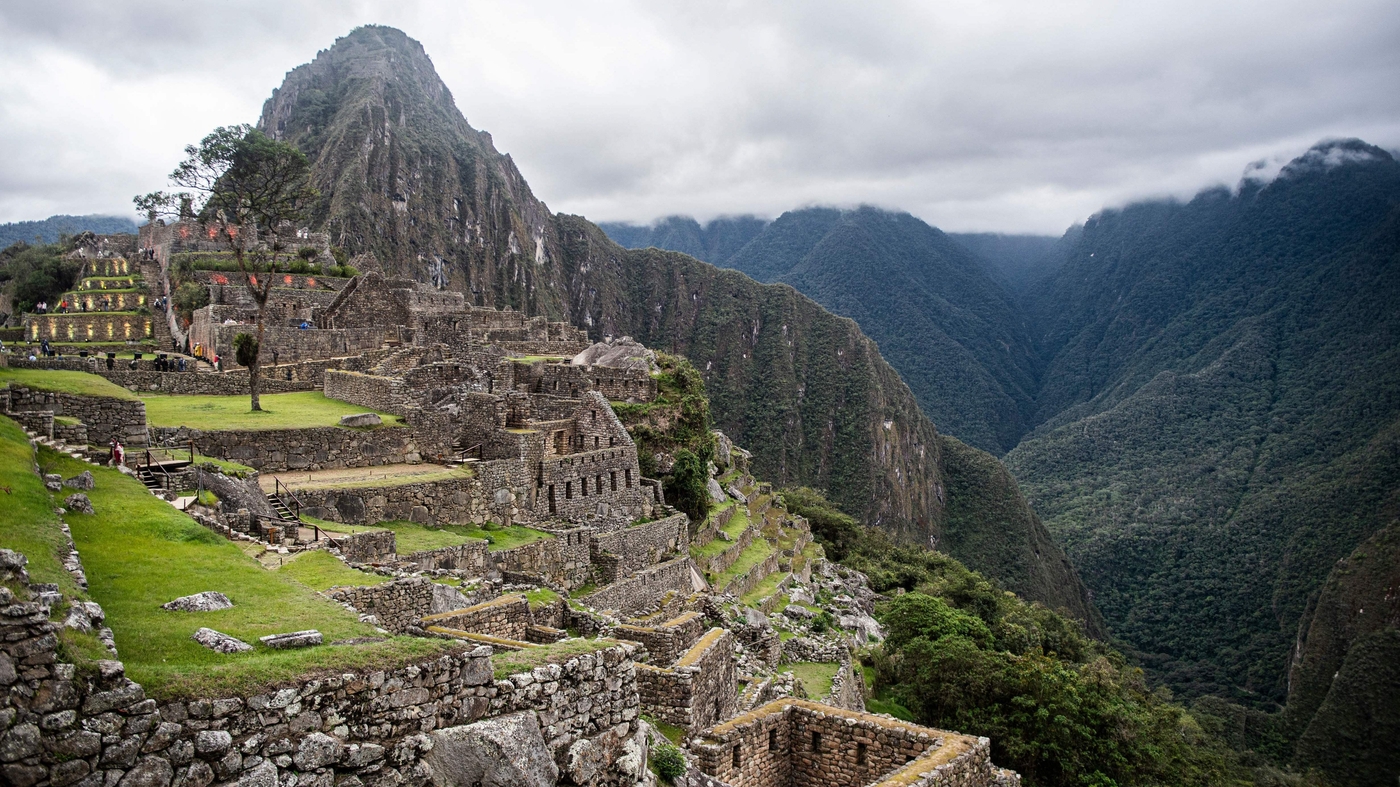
[
  {"x": 1221, "y": 410},
  {"x": 403, "y": 176}
]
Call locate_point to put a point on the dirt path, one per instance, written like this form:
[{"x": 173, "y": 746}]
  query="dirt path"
[{"x": 348, "y": 476}]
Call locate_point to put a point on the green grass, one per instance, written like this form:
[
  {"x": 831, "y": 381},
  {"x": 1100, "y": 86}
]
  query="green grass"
[
  {"x": 27, "y": 521},
  {"x": 280, "y": 411},
  {"x": 671, "y": 732},
  {"x": 890, "y": 707},
  {"x": 738, "y": 523},
  {"x": 752, "y": 555},
  {"x": 321, "y": 570},
  {"x": 506, "y": 537},
  {"x": 541, "y": 598},
  {"x": 533, "y": 358},
  {"x": 710, "y": 549},
  {"x": 766, "y": 588},
  {"x": 583, "y": 590},
  {"x": 140, "y": 553},
  {"x": 507, "y": 664},
  {"x": 81, "y": 383},
  {"x": 816, "y": 676}
]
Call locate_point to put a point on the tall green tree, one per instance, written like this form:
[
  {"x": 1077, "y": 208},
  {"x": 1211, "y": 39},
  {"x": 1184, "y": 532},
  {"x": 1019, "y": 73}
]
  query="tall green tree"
[{"x": 255, "y": 191}]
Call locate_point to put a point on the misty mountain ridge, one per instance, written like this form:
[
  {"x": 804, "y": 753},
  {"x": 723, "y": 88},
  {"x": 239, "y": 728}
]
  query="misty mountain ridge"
[{"x": 48, "y": 230}]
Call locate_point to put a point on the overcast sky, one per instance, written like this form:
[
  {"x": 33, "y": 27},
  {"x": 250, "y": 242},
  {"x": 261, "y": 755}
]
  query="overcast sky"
[{"x": 1012, "y": 117}]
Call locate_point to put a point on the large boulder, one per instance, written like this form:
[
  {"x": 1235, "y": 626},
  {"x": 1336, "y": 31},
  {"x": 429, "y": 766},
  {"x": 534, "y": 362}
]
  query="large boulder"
[
  {"x": 716, "y": 491},
  {"x": 623, "y": 353},
  {"x": 507, "y": 751},
  {"x": 723, "y": 447},
  {"x": 83, "y": 481},
  {"x": 220, "y": 642},
  {"x": 360, "y": 419},
  {"x": 79, "y": 502},
  {"x": 208, "y": 601}
]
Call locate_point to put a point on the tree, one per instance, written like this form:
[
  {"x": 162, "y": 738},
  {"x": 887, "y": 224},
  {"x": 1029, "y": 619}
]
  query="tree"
[{"x": 251, "y": 189}]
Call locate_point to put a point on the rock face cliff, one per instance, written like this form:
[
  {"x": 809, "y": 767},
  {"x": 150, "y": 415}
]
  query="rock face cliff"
[{"x": 404, "y": 177}]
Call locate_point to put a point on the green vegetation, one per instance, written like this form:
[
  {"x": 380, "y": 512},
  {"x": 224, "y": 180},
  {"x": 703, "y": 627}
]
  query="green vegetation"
[
  {"x": 139, "y": 553},
  {"x": 27, "y": 521},
  {"x": 764, "y": 589},
  {"x": 676, "y": 422},
  {"x": 284, "y": 411},
  {"x": 507, "y": 664},
  {"x": 541, "y": 597},
  {"x": 80, "y": 383},
  {"x": 752, "y": 555},
  {"x": 668, "y": 761},
  {"x": 672, "y": 733},
  {"x": 31, "y": 274},
  {"x": 320, "y": 570},
  {"x": 816, "y": 676}
]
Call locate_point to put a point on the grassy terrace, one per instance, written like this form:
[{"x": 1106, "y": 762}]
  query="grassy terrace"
[
  {"x": 280, "y": 411},
  {"x": 734, "y": 528},
  {"x": 322, "y": 571},
  {"x": 756, "y": 553},
  {"x": 28, "y": 524},
  {"x": 816, "y": 677},
  {"x": 766, "y": 588},
  {"x": 58, "y": 381},
  {"x": 140, "y": 553},
  {"x": 507, "y": 664},
  {"x": 410, "y": 537}
]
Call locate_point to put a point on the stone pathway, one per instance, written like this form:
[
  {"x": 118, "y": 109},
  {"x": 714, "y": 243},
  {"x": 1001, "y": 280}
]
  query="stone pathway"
[{"x": 344, "y": 476}]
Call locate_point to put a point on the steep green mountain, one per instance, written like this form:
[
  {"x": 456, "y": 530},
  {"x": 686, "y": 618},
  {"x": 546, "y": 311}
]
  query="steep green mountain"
[
  {"x": 951, "y": 330},
  {"x": 48, "y": 230},
  {"x": 1221, "y": 410},
  {"x": 1344, "y": 685},
  {"x": 715, "y": 242},
  {"x": 405, "y": 178}
]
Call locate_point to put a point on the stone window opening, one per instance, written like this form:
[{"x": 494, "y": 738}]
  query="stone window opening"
[
  {"x": 860, "y": 754},
  {"x": 551, "y": 499},
  {"x": 599, "y": 484},
  {"x": 612, "y": 441},
  {"x": 629, "y": 477},
  {"x": 595, "y": 441},
  {"x": 736, "y": 756},
  {"x": 612, "y": 478},
  {"x": 568, "y": 490},
  {"x": 772, "y": 740},
  {"x": 583, "y": 485},
  {"x": 816, "y": 741}
]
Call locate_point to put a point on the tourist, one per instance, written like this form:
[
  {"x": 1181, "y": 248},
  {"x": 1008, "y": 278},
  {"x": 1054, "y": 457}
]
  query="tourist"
[
  {"x": 218, "y": 363},
  {"x": 118, "y": 453},
  {"x": 182, "y": 363}
]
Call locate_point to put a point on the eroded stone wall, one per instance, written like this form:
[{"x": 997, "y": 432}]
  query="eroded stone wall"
[
  {"x": 645, "y": 588},
  {"x": 667, "y": 641},
  {"x": 315, "y": 448},
  {"x": 507, "y": 617},
  {"x": 104, "y": 417},
  {"x": 634, "y": 548},
  {"x": 699, "y": 690},
  {"x": 399, "y": 605}
]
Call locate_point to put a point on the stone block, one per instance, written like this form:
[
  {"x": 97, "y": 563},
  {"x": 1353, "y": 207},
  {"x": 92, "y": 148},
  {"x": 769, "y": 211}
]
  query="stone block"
[
  {"x": 361, "y": 419},
  {"x": 207, "y": 601},
  {"x": 221, "y": 642},
  {"x": 294, "y": 639}
]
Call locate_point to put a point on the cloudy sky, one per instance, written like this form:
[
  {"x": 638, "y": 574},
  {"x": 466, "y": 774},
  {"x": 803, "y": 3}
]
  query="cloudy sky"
[{"x": 997, "y": 116}]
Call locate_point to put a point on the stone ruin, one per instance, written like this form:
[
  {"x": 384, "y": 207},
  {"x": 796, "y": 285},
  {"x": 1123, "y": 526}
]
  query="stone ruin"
[{"x": 522, "y": 408}]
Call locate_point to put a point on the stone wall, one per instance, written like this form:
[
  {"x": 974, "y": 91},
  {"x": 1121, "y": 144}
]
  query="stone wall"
[
  {"x": 369, "y": 547},
  {"x": 314, "y": 448},
  {"x": 721, "y": 562},
  {"x": 699, "y": 690},
  {"x": 540, "y": 558},
  {"x": 449, "y": 501},
  {"x": 507, "y": 617},
  {"x": 641, "y": 546},
  {"x": 88, "y": 326},
  {"x": 104, "y": 417},
  {"x": 667, "y": 641},
  {"x": 389, "y": 394},
  {"x": 202, "y": 384},
  {"x": 400, "y": 605},
  {"x": 646, "y": 588},
  {"x": 791, "y": 741},
  {"x": 470, "y": 558},
  {"x": 744, "y": 583},
  {"x": 376, "y": 727},
  {"x": 590, "y": 484}
]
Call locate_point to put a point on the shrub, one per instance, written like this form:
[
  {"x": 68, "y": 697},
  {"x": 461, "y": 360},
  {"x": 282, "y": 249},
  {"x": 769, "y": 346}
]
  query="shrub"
[
  {"x": 669, "y": 762},
  {"x": 245, "y": 349}
]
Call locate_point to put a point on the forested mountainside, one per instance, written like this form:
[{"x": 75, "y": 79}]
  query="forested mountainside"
[
  {"x": 1222, "y": 410},
  {"x": 404, "y": 177},
  {"x": 1215, "y": 402},
  {"x": 48, "y": 230},
  {"x": 1022, "y": 261},
  {"x": 1344, "y": 685}
]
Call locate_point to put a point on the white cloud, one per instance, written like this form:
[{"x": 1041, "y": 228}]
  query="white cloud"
[{"x": 1015, "y": 116}]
